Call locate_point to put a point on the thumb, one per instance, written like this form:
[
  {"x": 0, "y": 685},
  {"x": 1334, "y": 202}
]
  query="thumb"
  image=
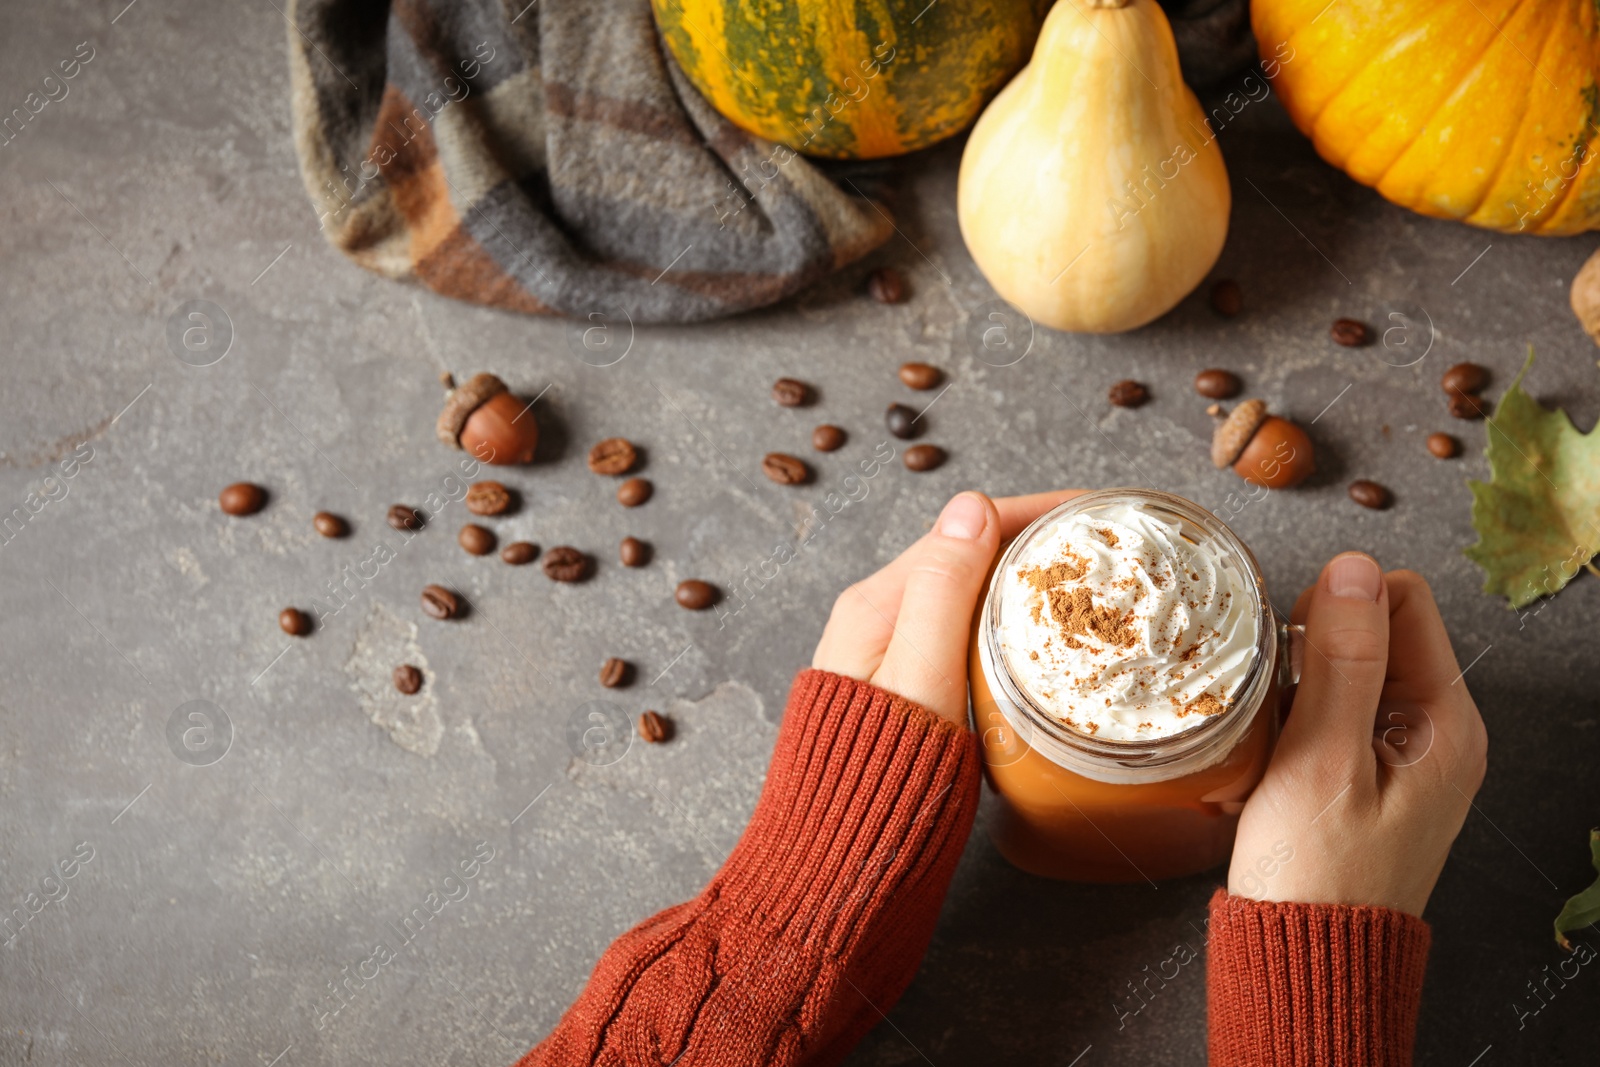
[
  {"x": 926, "y": 660},
  {"x": 1346, "y": 660}
]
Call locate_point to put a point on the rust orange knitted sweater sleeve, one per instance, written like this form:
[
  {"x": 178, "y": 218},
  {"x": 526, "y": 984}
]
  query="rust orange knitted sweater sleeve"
[
  {"x": 819, "y": 918},
  {"x": 1296, "y": 985},
  {"x": 817, "y": 921}
]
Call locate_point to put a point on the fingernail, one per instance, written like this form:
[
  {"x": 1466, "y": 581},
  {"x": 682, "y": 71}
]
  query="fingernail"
[
  {"x": 963, "y": 518},
  {"x": 1354, "y": 577}
]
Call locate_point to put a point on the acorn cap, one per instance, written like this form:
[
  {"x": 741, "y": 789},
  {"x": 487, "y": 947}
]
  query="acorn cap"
[
  {"x": 462, "y": 402},
  {"x": 1241, "y": 425}
]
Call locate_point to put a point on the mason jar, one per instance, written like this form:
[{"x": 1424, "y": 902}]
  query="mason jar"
[{"x": 1089, "y": 808}]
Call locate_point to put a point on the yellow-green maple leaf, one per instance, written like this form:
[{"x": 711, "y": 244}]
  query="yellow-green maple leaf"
[
  {"x": 1584, "y": 909},
  {"x": 1538, "y": 515}
]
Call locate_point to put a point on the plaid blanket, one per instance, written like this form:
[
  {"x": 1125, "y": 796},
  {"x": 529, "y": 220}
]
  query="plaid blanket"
[{"x": 548, "y": 156}]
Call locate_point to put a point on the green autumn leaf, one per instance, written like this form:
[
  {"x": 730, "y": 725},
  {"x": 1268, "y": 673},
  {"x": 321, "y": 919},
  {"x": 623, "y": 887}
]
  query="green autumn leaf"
[
  {"x": 1583, "y": 909},
  {"x": 1538, "y": 515}
]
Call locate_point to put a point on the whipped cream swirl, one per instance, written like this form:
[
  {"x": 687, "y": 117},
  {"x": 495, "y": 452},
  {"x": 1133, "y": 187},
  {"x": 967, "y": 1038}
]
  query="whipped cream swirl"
[{"x": 1123, "y": 629}]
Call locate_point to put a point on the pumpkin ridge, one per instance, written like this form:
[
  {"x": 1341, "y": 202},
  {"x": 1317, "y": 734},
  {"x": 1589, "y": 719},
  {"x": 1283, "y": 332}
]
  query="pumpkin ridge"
[
  {"x": 1527, "y": 102},
  {"x": 1448, "y": 97},
  {"x": 1587, "y": 133},
  {"x": 1393, "y": 46},
  {"x": 1493, "y": 123},
  {"x": 1592, "y": 128},
  {"x": 1357, "y": 71}
]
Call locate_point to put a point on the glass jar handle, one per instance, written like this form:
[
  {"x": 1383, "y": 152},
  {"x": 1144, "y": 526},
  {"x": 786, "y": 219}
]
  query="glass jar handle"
[{"x": 1291, "y": 652}]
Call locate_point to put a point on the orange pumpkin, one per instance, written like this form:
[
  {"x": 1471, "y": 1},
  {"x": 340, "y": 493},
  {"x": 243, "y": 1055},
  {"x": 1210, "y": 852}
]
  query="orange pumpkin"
[{"x": 1479, "y": 110}]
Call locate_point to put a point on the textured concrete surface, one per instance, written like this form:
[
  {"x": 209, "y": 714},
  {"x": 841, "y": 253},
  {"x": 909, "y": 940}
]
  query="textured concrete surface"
[{"x": 219, "y": 900}]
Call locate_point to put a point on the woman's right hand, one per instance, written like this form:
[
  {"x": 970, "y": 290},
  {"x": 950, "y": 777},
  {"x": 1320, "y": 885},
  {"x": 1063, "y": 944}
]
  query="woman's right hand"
[
  {"x": 1380, "y": 756},
  {"x": 907, "y": 628}
]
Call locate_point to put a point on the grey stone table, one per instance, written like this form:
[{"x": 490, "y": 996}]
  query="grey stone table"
[{"x": 214, "y": 906}]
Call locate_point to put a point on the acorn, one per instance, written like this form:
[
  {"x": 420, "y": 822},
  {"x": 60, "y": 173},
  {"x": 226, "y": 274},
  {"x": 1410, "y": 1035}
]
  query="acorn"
[
  {"x": 483, "y": 417},
  {"x": 1263, "y": 449}
]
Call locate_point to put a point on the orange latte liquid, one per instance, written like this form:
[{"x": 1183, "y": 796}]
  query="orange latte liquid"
[{"x": 1058, "y": 824}]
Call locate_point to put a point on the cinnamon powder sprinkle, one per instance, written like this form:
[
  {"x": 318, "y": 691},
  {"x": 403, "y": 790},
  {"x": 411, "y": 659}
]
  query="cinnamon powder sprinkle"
[
  {"x": 1074, "y": 609},
  {"x": 1205, "y": 704}
]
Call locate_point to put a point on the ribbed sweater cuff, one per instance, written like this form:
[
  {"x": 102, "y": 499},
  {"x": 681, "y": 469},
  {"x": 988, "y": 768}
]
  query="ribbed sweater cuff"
[
  {"x": 817, "y": 921},
  {"x": 1302, "y": 984},
  {"x": 869, "y": 798}
]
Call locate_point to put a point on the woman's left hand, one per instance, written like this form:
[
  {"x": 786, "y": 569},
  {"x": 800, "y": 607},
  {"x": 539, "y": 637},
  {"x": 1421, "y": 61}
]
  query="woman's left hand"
[{"x": 906, "y": 628}]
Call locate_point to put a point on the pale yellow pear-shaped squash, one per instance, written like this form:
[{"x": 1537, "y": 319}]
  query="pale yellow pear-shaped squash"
[{"x": 1092, "y": 194}]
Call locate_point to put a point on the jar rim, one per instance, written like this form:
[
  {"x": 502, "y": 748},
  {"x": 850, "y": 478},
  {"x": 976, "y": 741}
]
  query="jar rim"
[{"x": 1150, "y": 759}]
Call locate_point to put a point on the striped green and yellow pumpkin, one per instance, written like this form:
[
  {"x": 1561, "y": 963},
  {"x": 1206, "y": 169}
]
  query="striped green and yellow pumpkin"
[{"x": 850, "y": 79}]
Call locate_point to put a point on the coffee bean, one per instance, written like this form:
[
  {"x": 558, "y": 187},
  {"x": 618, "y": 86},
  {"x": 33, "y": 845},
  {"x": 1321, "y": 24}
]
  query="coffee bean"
[
  {"x": 1467, "y": 406},
  {"x": 634, "y": 552},
  {"x": 923, "y": 457},
  {"x": 695, "y": 595},
  {"x": 488, "y": 498},
  {"x": 242, "y": 498},
  {"x": 654, "y": 728},
  {"x": 1350, "y": 333},
  {"x": 1443, "y": 445},
  {"x": 329, "y": 525},
  {"x": 439, "y": 602},
  {"x": 407, "y": 679},
  {"x": 614, "y": 455},
  {"x": 901, "y": 421},
  {"x": 477, "y": 540},
  {"x": 566, "y": 564},
  {"x": 615, "y": 672},
  {"x": 1465, "y": 378},
  {"x": 790, "y": 393},
  {"x": 827, "y": 438},
  {"x": 784, "y": 469},
  {"x": 1217, "y": 384},
  {"x": 294, "y": 622},
  {"x": 1227, "y": 298},
  {"x": 633, "y": 492},
  {"x": 1128, "y": 394},
  {"x": 886, "y": 286},
  {"x": 402, "y": 517},
  {"x": 1369, "y": 494},
  {"x": 920, "y": 375},
  {"x": 519, "y": 552}
]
